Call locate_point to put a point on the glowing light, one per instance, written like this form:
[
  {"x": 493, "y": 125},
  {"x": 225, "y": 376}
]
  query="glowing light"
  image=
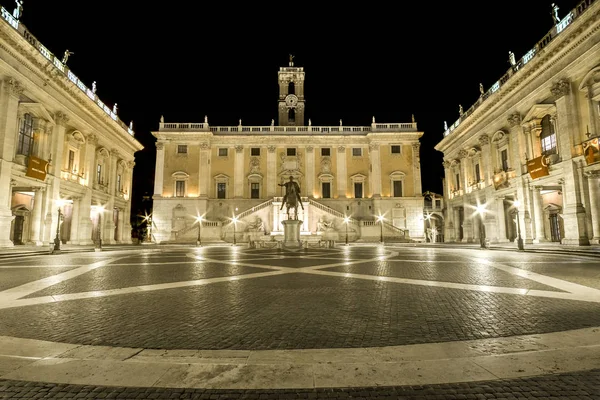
[
  {"x": 380, "y": 218},
  {"x": 346, "y": 220},
  {"x": 516, "y": 203},
  {"x": 481, "y": 208}
]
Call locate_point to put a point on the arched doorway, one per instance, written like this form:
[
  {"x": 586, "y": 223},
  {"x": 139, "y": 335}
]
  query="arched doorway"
[{"x": 19, "y": 230}]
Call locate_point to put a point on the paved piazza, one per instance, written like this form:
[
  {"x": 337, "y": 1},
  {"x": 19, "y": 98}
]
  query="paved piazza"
[{"x": 354, "y": 322}]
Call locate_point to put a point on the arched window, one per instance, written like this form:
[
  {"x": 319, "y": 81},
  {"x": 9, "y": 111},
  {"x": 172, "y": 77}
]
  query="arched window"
[
  {"x": 291, "y": 88},
  {"x": 26, "y": 135},
  {"x": 548, "y": 136}
]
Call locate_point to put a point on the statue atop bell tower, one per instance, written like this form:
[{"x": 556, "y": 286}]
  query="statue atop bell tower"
[{"x": 291, "y": 95}]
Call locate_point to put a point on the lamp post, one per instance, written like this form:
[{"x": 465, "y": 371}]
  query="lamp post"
[
  {"x": 99, "y": 210},
  {"x": 234, "y": 220},
  {"x": 346, "y": 220},
  {"x": 481, "y": 211},
  {"x": 380, "y": 219},
  {"x": 57, "y": 238},
  {"x": 199, "y": 238},
  {"x": 517, "y": 203}
]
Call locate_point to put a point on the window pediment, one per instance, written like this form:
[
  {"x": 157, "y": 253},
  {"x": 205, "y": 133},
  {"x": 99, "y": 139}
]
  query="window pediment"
[
  {"x": 326, "y": 178},
  {"x": 180, "y": 175},
  {"x": 102, "y": 153},
  {"x": 538, "y": 111},
  {"x": 397, "y": 175},
  {"x": 221, "y": 178},
  {"x": 358, "y": 178},
  {"x": 38, "y": 110}
]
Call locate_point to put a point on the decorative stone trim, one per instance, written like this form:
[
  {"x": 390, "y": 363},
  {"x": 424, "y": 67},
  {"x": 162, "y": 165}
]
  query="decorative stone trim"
[
  {"x": 514, "y": 119},
  {"x": 239, "y": 148},
  {"x": 272, "y": 149},
  {"x": 341, "y": 149},
  {"x": 160, "y": 146},
  {"x": 462, "y": 154},
  {"x": 561, "y": 88},
  {"x": 484, "y": 140}
]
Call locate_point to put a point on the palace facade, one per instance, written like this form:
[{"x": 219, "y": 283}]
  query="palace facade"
[
  {"x": 522, "y": 164},
  {"x": 357, "y": 182},
  {"x": 66, "y": 158}
]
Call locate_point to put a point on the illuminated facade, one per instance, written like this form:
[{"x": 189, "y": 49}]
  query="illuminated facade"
[
  {"x": 527, "y": 152},
  {"x": 62, "y": 149},
  {"x": 231, "y": 175}
]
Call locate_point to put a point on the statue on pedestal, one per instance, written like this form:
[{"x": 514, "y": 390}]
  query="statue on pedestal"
[{"x": 292, "y": 198}]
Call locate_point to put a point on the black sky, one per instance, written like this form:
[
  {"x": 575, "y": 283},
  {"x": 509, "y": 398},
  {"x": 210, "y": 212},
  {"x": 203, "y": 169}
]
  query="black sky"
[{"x": 187, "y": 59}]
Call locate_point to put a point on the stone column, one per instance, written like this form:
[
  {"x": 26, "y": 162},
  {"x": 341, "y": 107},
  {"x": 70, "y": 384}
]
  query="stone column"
[
  {"x": 486, "y": 168},
  {"x": 464, "y": 179},
  {"x": 527, "y": 232},
  {"x": 342, "y": 175},
  {"x": 517, "y": 143},
  {"x": 417, "y": 169},
  {"x": 238, "y": 174},
  {"x": 449, "y": 222},
  {"x": 37, "y": 222},
  {"x": 375, "y": 173},
  {"x": 9, "y": 104},
  {"x": 538, "y": 215},
  {"x": 121, "y": 225},
  {"x": 159, "y": 169},
  {"x": 501, "y": 220},
  {"x": 85, "y": 218},
  {"x": 573, "y": 210},
  {"x": 457, "y": 224},
  {"x": 204, "y": 170},
  {"x": 58, "y": 142},
  {"x": 271, "y": 171},
  {"x": 594, "y": 188},
  {"x": 594, "y": 120},
  {"x": 75, "y": 221},
  {"x": 126, "y": 232},
  {"x": 310, "y": 171},
  {"x": 109, "y": 225}
]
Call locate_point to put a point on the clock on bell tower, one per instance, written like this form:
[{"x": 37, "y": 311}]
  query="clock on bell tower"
[{"x": 291, "y": 95}]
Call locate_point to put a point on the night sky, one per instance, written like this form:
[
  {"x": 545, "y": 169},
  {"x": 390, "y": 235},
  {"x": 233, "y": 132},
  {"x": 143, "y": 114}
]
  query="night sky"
[{"x": 188, "y": 59}]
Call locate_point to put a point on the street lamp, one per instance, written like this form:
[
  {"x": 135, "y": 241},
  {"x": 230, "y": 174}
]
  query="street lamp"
[
  {"x": 148, "y": 220},
  {"x": 481, "y": 211},
  {"x": 99, "y": 211},
  {"x": 380, "y": 219},
  {"x": 234, "y": 220},
  {"x": 346, "y": 220},
  {"x": 199, "y": 239},
  {"x": 517, "y": 203},
  {"x": 57, "y": 238}
]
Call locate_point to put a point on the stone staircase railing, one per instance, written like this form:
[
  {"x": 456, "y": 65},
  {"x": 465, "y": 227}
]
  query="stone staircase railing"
[
  {"x": 207, "y": 224},
  {"x": 330, "y": 210},
  {"x": 254, "y": 209},
  {"x": 398, "y": 232}
]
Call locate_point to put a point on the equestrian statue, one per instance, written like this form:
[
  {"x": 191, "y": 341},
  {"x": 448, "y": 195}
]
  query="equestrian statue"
[{"x": 292, "y": 198}]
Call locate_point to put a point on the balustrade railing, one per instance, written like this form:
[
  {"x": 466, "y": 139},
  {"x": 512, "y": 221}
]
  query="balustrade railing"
[
  {"x": 254, "y": 209},
  {"x": 555, "y": 31},
  {"x": 345, "y": 130},
  {"x": 332, "y": 211},
  {"x": 58, "y": 64}
]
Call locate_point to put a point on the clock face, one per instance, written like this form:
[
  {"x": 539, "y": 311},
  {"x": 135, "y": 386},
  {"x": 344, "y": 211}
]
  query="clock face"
[{"x": 291, "y": 100}]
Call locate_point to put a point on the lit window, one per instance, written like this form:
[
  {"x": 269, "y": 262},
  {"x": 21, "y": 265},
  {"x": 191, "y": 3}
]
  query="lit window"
[
  {"x": 504, "y": 158},
  {"x": 223, "y": 152},
  {"x": 548, "y": 136},
  {"x": 119, "y": 183},
  {"x": 182, "y": 148},
  {"x": 71, "y": 164},
  {"x": 179, "y": 188},
  {"x": 99, "y": 173},
  {"x": 396, "y": 149}
]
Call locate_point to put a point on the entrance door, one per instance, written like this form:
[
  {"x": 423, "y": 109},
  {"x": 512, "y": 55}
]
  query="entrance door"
[
  {"x": 18, "y": 230},
  {"x": 554, "y": 228}
]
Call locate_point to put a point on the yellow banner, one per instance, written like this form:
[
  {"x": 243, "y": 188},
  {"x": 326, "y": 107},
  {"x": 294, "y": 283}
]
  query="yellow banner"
[
  {"x": 37, "y": 168},
  {"x": 591, "y": 151},
  {"x": 537, "y": 167}
]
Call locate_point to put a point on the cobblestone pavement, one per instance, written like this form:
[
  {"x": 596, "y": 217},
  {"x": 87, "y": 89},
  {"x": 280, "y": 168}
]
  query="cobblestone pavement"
[
  {"x": 231, "y": 298},
  {"x": 573, "y": 386}
]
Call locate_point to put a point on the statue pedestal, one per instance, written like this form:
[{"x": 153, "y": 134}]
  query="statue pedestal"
[{"x": 291, "y": 235}]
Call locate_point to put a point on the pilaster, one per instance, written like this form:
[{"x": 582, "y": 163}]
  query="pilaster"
[
  {"x": 501, "y": 220},
  {"x": 310, "y": 171},
  {"x": 487, "y": 169},
  {"x": 342, "y": 175},
  {"x": 517, "y": 143},
  {"x": 417, "y": 169},
  {"x": 75, "y": 221},
  {"x": 204, "y": 170},
  {"x": 573, "y": 210},
  {"x": 594, "y": 189},
  {"x": 159, "y": 169},
  {"x": 37, "y": 216},
  {"x": 566, "y": 119},
  {"x": 375, "y": 172},
  {"x": 238, "y": 178},
  {"x": 538, "y": 215},
  {"x": 271, "y": 171}
]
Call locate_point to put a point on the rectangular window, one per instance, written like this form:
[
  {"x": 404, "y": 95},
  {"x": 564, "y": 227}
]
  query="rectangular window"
[
  {"x": 71, "y": 160},
  {"x": 26, "y": 135},
  {"x": 396, "y": 149},
  {"x": 179, "y": 188},
  {"x": 291, "y": 151},
  {"x": 477, "y": 173},
  {"x": 223, "y": 152},
  {"x": 549, "y": 144},
  {"x": 358, "y": 190},
  {"x": 255, "y": 151},
  {"x": 326, "y": 151},
  {"x": 356, "y": 152},
  {"x": 119, "y": 183},
  {"x": 182, "y": 148},
  {"x": 221, "y": 190},
  {"x": 504, "y": 158},
  {"x": 438, "y": 204},
  {"x": 326, "y": 188},
  {"x": 255, "y": 191},
  {"x": 457, "y": 181},
  {"x": 99, "y": 173},
  {"x": 397, "y": 189}
]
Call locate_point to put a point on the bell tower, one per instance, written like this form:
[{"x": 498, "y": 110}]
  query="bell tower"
[{"x": 291, "y": 95}]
